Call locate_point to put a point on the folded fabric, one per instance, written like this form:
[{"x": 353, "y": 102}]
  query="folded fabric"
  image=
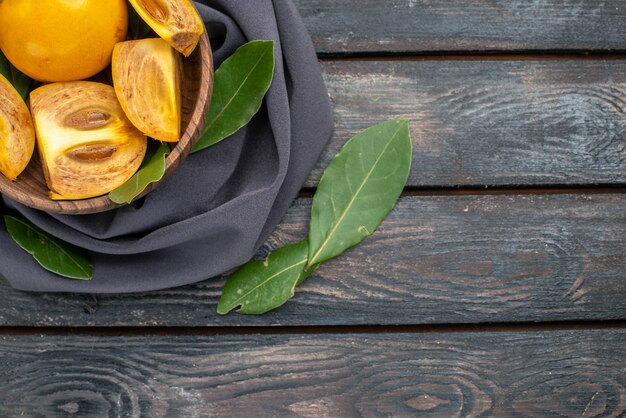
[{"x": 221, "y": 204}]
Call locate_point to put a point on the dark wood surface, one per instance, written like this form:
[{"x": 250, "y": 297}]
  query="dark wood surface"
[
  {"x": 559, "y": 373},
  {"x": 496, "y": 287},
  {"x": 409, "y": 26},
  {"x": 435, "y": 260},
  {"x": 490, "y": 122}
]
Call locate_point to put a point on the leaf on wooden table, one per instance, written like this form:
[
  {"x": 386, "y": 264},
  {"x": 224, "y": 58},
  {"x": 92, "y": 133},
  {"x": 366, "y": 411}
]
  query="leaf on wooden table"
[
  {"x": 51, "y": 253},
  {"x": 359, "y": 188},
  {"x": 238, "y": 90},
  {"x": 21, "y": 82},
  {"x": 261, "y": 286},
  {"x": 152, "y": 170}
]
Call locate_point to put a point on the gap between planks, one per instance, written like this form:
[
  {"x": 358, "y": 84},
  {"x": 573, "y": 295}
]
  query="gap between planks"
[
  {"x": 502, "y": 190},
  {"x": 517, "y": 55},
  {"x": 312, "y": 330}
]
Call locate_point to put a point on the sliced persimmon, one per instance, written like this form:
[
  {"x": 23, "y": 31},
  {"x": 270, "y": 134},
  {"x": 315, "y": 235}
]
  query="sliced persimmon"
[
  {"x": 87, "y": 145},
  {"x": 176, "y": 21},
  {"x": 17, "y": 135},
  {"x": 146, "y": 77}
]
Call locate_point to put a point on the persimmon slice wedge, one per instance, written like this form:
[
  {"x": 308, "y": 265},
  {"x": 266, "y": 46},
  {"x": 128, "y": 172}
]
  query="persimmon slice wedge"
[
  {"x": 146, "y": 77},
  {"x": 17, "y": 134},
  {"x": 87, "y": 145},
  {"x": 176, "y": 21}
]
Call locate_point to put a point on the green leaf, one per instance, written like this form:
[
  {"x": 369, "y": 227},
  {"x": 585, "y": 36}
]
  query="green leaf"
[
  {"x": 5, "y": 66},
  {"x": 137, "y": 27},
  {"x": 261, "y": 286},
  {"x": 53, "y": 254},
  {"x": 21, "y": 82},
  {"x": 358, "y": 189},
  {"x": 238, "y": 90},
  {"x": 152, "y": 170}
]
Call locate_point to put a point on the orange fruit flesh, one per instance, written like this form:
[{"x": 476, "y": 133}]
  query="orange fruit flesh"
[
  {"x": 17, "y": 135},
  {"x": 87, "y": 145}
]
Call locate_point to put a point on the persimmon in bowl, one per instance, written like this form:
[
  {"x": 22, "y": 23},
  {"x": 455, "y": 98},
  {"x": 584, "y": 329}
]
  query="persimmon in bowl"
[{"x": 196, "y": 81}]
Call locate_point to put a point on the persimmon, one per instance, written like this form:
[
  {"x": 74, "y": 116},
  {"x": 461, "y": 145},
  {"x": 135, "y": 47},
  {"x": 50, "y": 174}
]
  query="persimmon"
[
  {"x": 146, "y": 78},
  {"x": 176, "y": 21},
  {"x": 17, "y": 135},
  {"x": 61, "y": 40},
  {"x": 87, "y": 145}
]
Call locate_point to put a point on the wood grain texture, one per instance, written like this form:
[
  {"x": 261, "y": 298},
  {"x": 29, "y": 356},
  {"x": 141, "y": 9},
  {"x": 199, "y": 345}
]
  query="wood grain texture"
[
  {"x": 565, "y": 374},
  {"x": 409, "y": 26},
  {"x": 435, "y": 260},
  {"x": 490, "y": 123}
]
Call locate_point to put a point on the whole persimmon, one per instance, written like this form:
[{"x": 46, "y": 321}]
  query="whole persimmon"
[{"x": 61, "y": 40}]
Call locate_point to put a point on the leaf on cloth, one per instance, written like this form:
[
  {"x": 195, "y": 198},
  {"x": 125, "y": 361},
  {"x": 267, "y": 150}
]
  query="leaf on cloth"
[
  {"x": 21, "y": 82},
  {"x": 152, "y": 170},
  {"x": 51, "y": 253},
  {"x": 359, "y": 188},
  {"x": 261, "y": 286},
  {"x": 238, "y": 90}
]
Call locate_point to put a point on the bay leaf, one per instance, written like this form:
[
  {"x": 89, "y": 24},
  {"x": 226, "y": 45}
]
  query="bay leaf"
[
  {"x": 137, "y": 27},
  {"x": 51, "y": 253},
  {"x": 152, "y": 170},
  {"x": 261, "y": 286},
  {"x": 359, "y": 188},
  {"x": 20, "y": 81},
  {"x": 239, "y": 87}
]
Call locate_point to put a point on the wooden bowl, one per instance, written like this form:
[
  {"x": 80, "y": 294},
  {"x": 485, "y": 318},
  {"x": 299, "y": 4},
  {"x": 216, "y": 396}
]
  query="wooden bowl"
[{"x": 30, "y": 187}]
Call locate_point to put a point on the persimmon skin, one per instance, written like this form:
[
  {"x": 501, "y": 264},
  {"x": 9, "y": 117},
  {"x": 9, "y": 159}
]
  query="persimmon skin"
[{"x": 61, "y": 40}]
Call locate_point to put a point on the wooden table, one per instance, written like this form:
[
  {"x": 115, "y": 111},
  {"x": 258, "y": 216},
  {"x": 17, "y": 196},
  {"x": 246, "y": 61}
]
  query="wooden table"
[{"x": 496, "y": 287}]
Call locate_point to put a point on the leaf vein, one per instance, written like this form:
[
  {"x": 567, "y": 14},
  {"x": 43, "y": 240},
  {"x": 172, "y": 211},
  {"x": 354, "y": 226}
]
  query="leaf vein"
[
  {"x": 234, "y": 95},
  {"x": 37, "y": 233},
  {"x": 272, "y": 277},
  {"x": 353, "y": 199}
]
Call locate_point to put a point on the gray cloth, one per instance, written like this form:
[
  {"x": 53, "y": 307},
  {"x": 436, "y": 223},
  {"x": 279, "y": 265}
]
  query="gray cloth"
[{"x": 219, "y": 207}]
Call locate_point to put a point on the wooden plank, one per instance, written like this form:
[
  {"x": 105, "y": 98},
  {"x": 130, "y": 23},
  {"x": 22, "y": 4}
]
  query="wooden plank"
[
  {"x": 567, "y": 373},
  {"x": 409, "y": 26},
  {"x": 490, "y": 123},
  {"x": 447, "y": 259}
]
